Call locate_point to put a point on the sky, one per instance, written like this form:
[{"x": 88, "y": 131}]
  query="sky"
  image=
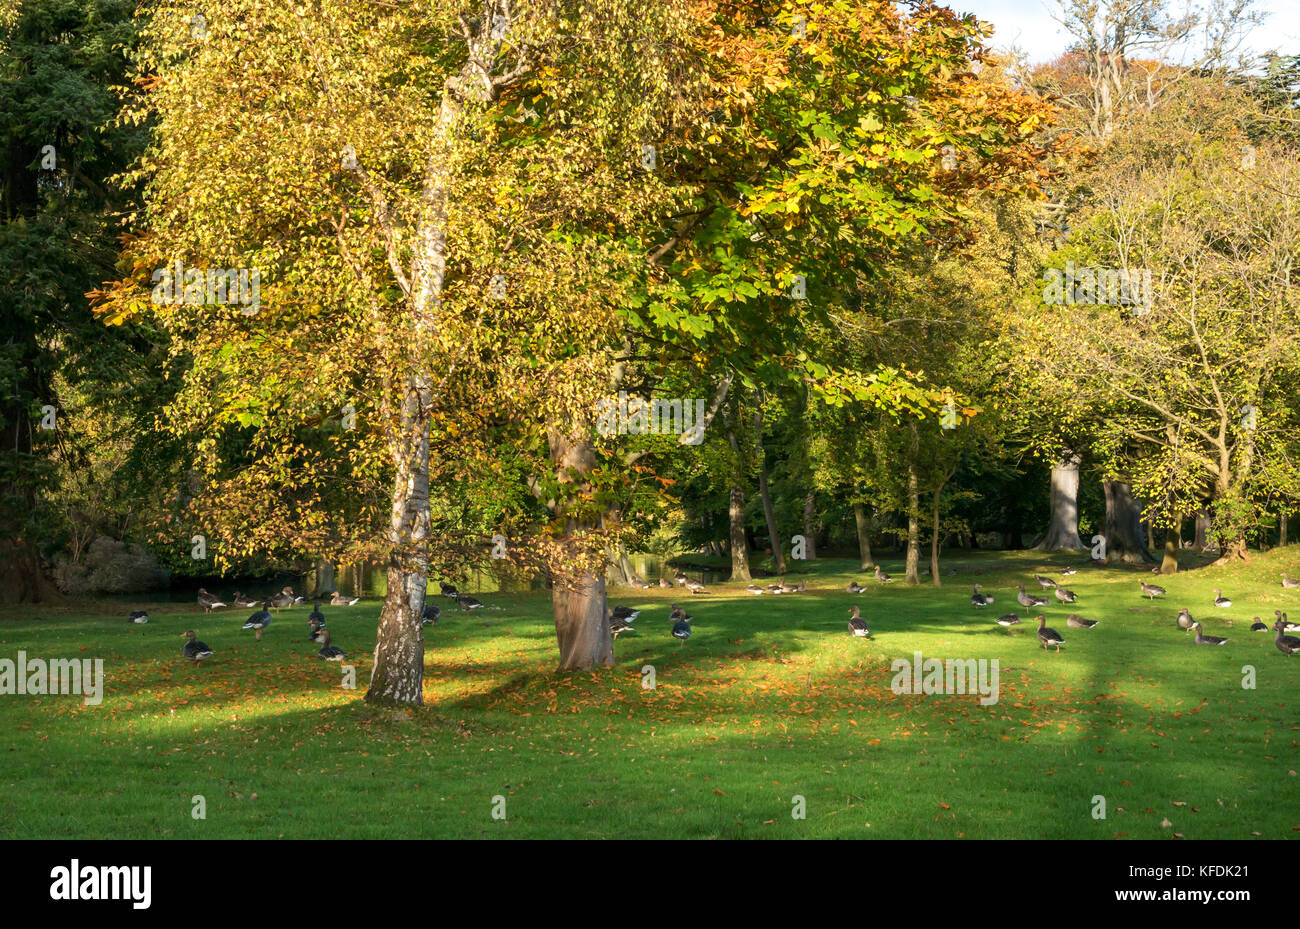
[{"x": 1029, "y": 25}]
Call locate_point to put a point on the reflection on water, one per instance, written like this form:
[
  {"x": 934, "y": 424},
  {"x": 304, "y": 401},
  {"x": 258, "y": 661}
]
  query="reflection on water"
[{"x": 652, "y": 567}]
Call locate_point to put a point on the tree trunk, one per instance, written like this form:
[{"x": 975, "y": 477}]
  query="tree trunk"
[
  {"x": 1063, "y": 531},
  {"x": 1202, "y": 537},
  {"x": 21, "y": 577},
  {"x": 578, "y": 592},
  {"x": 809, "y": 526},
  {"x": 769, "y": 513},
  {"x": 1123, "y": 525},
  {"x": 739, "y": 546},
  {"x": 913, "y": 516},
  {"x": 934, "y": 538},
  {"x": 1170, "y": 563},
  {"x": 1281, "y": 537},
  {"x": 864, "y": 536}
]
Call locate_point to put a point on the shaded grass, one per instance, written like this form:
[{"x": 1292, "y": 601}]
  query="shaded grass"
[{"x": 769, "y": 700}]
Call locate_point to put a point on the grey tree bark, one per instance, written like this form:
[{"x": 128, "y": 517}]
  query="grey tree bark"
[
  {"x": 1063, "y": 531},
  {"x": 861, "y": 519},
  {"x": 1123, "y": 528}
]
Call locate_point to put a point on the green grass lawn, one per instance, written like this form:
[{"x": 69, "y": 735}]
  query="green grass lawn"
[{"x": 771, "y": 699}]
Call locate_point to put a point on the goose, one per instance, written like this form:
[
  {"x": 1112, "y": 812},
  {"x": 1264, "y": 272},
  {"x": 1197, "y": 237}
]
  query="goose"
[
  {"x": 260, "y": 620},
  {"x": 1078, "y": 622},
  {"x": 242, "y": 601},
  {"x": 1257, "y": 626},
  {"x": 1029, "y": 600},
  {"x": 1151, "y": 591},
  {"x": 858, "y": 625},
  {"x": 682, "y": 628},
  {"x": 754, "y": 589},
  {"x": 208, "y": 602},
  {"x": 429, "y": 616},
  {"x": 337, "y": 599},
  {"x": 1286, "y": 644},
  {"x": 316, "y": 616},
  {"x": 1068, "y": 572},
  {"x": 882, "y": 576},
  {"x": 138, "y": 616},
  {"x": 679, "y": 577},
  {"x": 1045, "y": 582},
  {"x": 1185, "y": 620},
  {"x": 284, "y": 599},
  {"x": 1287, "y": 625},
  {"x": 1065, "y": 596},
  {"x": 193, "y": 649},
  {"x": 617, "y": 623},
  {"x": 679, "y": 613},
  {"x": 466, "y": 602},
  {"x": 776, "y": 588},
  {"x": 1220, "y": 600},
  {"x": 978, "y": 599},
  {"x": 665, "y": 584},
  {"x": 854, "y": 588},
  {"x": 1289, "y": 582},
  {"x": 626, "y": 612},
  {"x": 329, "y": 652},
  {"x": 1207, "y": 639},
  {"x": 694, "y": 586},
  {"x": 792, "y": 589},
  {"x": 1048, "y": 636},
  {"x": 1010, "y": 619},
  {"x": 448, "y": 590}
]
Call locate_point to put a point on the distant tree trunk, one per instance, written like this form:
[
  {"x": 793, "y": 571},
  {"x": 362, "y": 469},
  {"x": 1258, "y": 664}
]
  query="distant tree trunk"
[
  {"x": 913, "y": 515},
  {"x": 864, "y": 535},
  {"x": 739, "y": 546},
  {"x": 1281, "y": 538},
  {"x": 769, "y": 513},
  {"x": 21, "y": 577},
  {"x": 1063, "y": 531},
  {"x": 1202, "y": 538},
  {"x": 934, "y": 538},
  {"x": 809, "y": 526},
  {"x": 322, "y": 579},
  {"x": 1123, "y": 525}
]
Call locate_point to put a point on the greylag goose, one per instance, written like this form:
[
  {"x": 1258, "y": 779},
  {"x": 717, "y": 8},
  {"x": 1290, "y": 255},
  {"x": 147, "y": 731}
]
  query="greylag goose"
[
  {"x": 978, "y": 599},
  {"x": 429, "y": 616},
  {"x": 1075, "y": 621},
  {"x": 448, "y": 590},
  {"x": 1151, "y": 591},
  {"x": 259, "y": 620},
  {"x": 1220, "y": 600},
  {"x": 1286, "y": 644},
  {"x": 242, "y": 601},
  {"x": 695, "y": 586},
  {"x": 1257, "y": 626},
  {"x": 1047, "y": 635},
  {"x": 754, "y": 589},
  {"x": 777, "y": 588},
  {"x": 193, "y": 649},
  {"x": 664, "y": 583},
  {"x": 316, "y": 615},
  {"x": 1065, "y": 596},
  {"x": 1185, "y": 620},
  {"x": 329, "y": 652},
  {"x": 882, "y": 576},
  {"x": 1045, "y": 582},
  {"x": 681, "y": 626},
  {"x": 790, "y": 588},
  {"x": 138, "y": 616},
  {"x": 1289, "y": 582},
  {"x": 208, "y": 602},
  {"x": 1287, "y": 625},
  {"x": 858, "y": 625},
  {"x": 1202, "y": 639},
  {"x": 626, "y": 612},
  {"x": 618, "y": 624},
  {"x": 284, "y": 599},
  {"x": 854, "y": 588},
  {"x": 1010, "y": 619},
  {"x": 1029, "y": 600},
  {"x": 1067, "y": 572},
  {"x": 679, "y": 577},
  {"x": 466, "y": 602},
  {"x": 337, "y": 599}
]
